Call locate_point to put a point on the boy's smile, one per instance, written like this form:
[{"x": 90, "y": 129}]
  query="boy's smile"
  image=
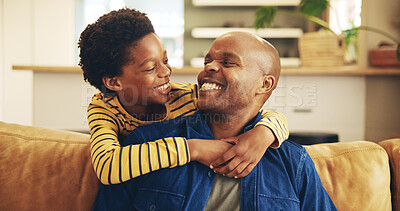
[{"x": 145, "y": 78}]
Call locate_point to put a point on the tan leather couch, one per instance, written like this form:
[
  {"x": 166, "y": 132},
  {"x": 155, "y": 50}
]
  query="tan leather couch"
[{"x": 43, "y": 169}]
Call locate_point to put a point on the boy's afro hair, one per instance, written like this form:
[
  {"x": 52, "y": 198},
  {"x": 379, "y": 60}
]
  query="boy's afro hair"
[{"x": 105, "y": 44}]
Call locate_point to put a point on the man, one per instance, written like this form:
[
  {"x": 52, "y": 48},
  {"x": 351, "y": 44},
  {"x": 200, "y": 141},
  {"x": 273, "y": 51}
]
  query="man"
[{"x": 240, "y": 73}]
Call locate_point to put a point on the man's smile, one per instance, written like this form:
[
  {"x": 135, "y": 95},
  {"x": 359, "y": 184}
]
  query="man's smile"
[{"x": 210, "y": 86}]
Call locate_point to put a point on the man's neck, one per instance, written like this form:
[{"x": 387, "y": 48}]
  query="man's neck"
[{"x": 228, "y": 125}]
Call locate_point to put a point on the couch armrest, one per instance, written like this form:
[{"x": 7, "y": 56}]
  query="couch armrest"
[
  {"x": 44, "y": 169},
  {"x": 356, "y": 174},
  {"x": 392, "y": 147}
]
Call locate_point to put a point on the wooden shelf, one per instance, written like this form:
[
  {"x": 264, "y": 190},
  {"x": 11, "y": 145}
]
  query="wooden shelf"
[
  {"x": 213, "y": 32},
  {"x": 306, "y": 71},
  {"x": 246, "y": 2}
]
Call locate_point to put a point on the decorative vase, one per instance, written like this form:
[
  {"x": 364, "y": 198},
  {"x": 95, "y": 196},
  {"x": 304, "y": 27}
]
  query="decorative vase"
[{"x": 321, "y": 49}]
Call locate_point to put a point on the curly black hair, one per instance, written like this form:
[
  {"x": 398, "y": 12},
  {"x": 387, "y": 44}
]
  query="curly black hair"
[{"x": 105, "y": 44}]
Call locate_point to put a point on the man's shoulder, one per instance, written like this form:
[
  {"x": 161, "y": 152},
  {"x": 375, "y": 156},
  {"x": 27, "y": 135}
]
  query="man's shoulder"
[
  {"x": 288, "y": 152},
  {"x": 291, "y": 147}
]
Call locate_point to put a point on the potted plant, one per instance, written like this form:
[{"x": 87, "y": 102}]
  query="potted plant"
[{"x": 318, "y": 48}]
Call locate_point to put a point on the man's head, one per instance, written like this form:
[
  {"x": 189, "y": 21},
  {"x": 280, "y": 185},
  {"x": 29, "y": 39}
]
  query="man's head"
[{"x": 241, "y": 71}]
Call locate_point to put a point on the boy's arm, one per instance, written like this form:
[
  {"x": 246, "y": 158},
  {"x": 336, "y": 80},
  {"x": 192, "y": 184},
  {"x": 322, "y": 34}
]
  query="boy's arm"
[
  {"x": 249, "y": 147},
  {"x": 277, "y": 124},
  {"x": 115, "y": 164}
]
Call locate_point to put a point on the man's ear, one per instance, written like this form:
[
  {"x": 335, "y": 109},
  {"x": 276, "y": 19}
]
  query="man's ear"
[
  {"x": 268, "y": 84},
  {"x": 113, "y": 83}
]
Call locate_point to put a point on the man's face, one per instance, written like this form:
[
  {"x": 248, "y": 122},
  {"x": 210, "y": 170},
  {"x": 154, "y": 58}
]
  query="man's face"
[{"x": 227, "y": 82}]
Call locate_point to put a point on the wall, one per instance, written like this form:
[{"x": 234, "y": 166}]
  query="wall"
[
  {"x": 59, "y": 101},
  {"x": 333, "y": 104},
  {"x": 382, "y": 100},
  {"x": 218, "y": 16},
  {"x": 17, "y": 47},
  {"x": 382, "y": 113},
  {"x": 2, "y": 67},
  {"x": 38, "y": 32}
]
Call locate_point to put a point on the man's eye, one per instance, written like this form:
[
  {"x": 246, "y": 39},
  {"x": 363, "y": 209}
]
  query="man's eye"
[
  {"x": 206, "y": 62},
  {"x": 228, "y": 63}
]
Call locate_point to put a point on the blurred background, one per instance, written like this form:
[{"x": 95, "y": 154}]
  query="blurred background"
[{"x": 355, "y": 100}]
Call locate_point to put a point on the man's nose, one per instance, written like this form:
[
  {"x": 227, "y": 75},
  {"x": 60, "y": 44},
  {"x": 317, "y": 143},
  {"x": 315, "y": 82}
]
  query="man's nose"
[{"x": 212, "y": 67}]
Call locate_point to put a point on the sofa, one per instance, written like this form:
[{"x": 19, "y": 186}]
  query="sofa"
[{"x": 45, "y": 169}]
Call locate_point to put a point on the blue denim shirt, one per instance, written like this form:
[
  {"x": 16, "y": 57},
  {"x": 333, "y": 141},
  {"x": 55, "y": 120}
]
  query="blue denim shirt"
[{"x": 284, "y": 179}]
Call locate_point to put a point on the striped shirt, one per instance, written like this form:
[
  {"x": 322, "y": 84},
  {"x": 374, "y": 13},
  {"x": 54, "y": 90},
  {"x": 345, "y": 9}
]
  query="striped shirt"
[{"x": 110, "y": 123}]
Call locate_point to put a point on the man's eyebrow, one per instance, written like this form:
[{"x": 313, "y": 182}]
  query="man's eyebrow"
[{"x": 231, "y": 55}]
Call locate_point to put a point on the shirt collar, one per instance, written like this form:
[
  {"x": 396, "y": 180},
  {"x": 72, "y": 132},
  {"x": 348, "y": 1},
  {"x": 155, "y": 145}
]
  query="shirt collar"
[{"x": 196, "y": 126}]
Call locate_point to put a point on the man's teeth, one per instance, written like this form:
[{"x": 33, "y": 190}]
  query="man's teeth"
[
  {"x": 163, "y": 87},
  {"x": 210, "y": 86}
]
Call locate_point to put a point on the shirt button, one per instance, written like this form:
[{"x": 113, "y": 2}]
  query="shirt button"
[
  {"x": 210, "y": 173},
  {"x": 152, "y": 207}
]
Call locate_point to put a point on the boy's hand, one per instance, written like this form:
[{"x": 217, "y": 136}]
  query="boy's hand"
[
  {"x": 240, "y": 160},
  {"x": 206, "y": 151}
]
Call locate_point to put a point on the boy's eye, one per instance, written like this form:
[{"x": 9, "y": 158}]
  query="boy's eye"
[
  {"x": 148, "y": 70},
  {"x": 165, "y": 61}
]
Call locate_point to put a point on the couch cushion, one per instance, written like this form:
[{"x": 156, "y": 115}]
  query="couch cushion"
[
  {"x": 355, "y": 174},
  {"x": 392, "y": 147},
  {"x": 43, "y": 169}
]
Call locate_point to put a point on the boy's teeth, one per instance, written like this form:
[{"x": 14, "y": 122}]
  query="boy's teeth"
[
  {"x": 210, "y": 86},
  {"x": 163, "y": 87}
]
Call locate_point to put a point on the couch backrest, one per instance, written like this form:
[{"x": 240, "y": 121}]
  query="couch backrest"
[
  {"x": 355, "y": 174},
  {"x": 392, "y": 147},
  {"x": 43, "y": 169}
]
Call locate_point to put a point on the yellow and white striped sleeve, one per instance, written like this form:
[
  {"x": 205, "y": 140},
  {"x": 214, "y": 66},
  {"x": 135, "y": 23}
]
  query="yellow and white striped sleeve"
[
  {"x": 277, "y": 123},
  {"x": 115, "y": 164}
]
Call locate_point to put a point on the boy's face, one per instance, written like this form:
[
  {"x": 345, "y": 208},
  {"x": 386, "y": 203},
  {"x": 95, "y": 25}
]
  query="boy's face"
[{"x": 145, "y": 81}]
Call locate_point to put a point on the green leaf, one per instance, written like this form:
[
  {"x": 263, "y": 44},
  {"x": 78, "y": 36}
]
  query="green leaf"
[
  {"x": 398, "y": 51},
  {"x": 313, "y": 7},
  {"x": 350, "y": 34},
  {"x": 264, "y": 16}
]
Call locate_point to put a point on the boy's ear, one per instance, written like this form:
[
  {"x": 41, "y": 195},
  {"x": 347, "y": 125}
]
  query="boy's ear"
[
  {"x": 113, "y": 83},
  {"x": 268, "y": 84}
]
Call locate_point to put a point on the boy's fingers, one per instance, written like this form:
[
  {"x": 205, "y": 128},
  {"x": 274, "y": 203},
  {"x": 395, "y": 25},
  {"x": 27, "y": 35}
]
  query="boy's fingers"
[
  {"x": 223, "y": 159},
  {"x": 238, "y": 170},
  {"x": 246, "y": 171},
  {"x": 228, "y": 167},
  {"x": 230, "y": 140}
]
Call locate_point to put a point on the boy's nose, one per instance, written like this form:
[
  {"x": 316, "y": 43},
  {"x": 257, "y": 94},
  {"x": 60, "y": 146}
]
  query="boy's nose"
[{"x": 165, "y": 71}]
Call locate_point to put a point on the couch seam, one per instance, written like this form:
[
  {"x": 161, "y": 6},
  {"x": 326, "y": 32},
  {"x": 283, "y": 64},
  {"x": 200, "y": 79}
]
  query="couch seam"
[
  {"x": 40, "y": 139},
  {"x": 347, "y": 152}
]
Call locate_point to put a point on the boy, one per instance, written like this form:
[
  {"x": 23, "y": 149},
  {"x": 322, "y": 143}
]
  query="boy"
[{"x": 123, "y": 58}]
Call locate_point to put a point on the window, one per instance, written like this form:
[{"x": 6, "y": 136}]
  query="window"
[
  {"x": 346, "y": 14},
  {"x": 166, "y": 16}
]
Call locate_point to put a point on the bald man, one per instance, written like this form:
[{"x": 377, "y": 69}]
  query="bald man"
[{"x": 240, "y": 73}]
